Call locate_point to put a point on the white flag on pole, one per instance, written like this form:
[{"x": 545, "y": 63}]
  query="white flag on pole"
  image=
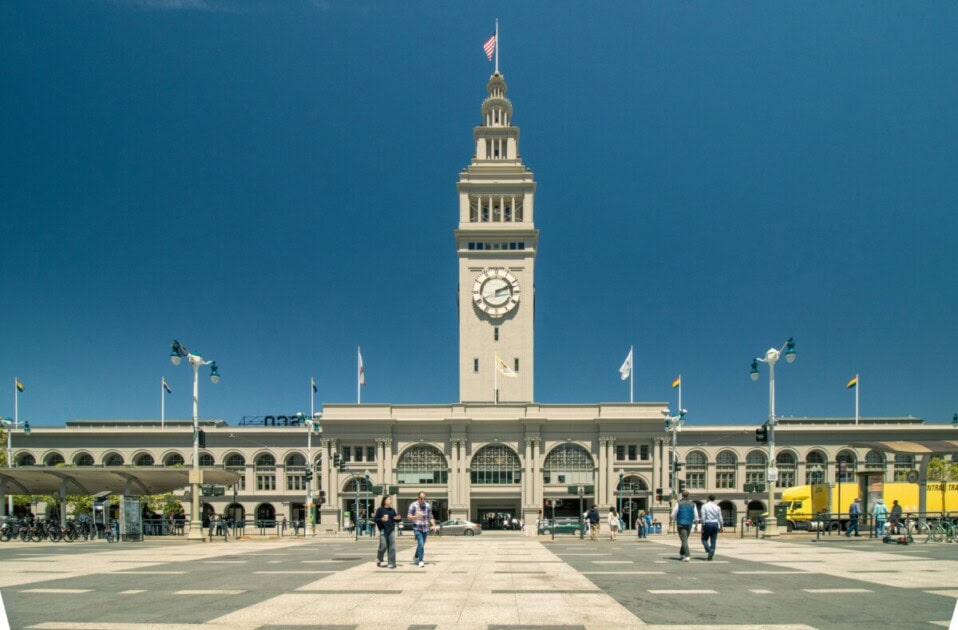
[
  {"x": 626, "y": 369},
  {"x": 362, "y": 368},
  {"x": 504, "y": 369}
]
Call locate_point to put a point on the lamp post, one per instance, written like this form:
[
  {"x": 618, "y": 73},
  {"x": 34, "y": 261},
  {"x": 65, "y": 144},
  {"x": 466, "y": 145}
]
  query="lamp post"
[
  {"x": 674, "y": 424},
  {"x": 771, "y": 358},
  {"x": 621, "y": 477},
  {"x": 312, "y": 425},
  {"x": 10, "y": 424},
  {"x": 178, "y": 353}
]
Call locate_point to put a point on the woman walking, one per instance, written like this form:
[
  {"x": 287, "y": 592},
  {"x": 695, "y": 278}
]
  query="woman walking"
[
  {"x": 613, "y": 523},
  {"x": 386, "y": 519}
]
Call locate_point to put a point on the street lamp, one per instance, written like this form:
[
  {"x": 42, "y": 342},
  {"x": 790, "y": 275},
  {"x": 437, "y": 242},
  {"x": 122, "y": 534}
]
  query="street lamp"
[
  {"x": 312, "y": 425},
  {"x": 178, "y": 353},
  {"x": 621, "y": 477},
  {"x": 771, "y": 358},
  {"x": 674, "y": 424},
  {"x": 10, "y": 424}
]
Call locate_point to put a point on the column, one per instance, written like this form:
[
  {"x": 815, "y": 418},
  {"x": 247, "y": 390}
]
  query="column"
[
  {"x": 600, "y": 480},
  {"x": 454, "y": 484},
  {"x": 611, "y": 477},
  {"x": 528, "y": 467}
]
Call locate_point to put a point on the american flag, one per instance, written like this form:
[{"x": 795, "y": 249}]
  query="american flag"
[{"x": 490, "y": 47}]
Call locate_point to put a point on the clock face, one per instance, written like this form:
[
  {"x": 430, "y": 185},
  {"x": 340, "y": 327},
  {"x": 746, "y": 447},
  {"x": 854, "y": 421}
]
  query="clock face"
[{"x": 495, "y": 292}]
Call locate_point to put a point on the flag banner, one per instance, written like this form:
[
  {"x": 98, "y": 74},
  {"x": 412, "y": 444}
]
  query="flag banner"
[
  {"x": 852, "y": 383},
  {"x": 362, "y": 369},
  {"x": 676, "y": 382},
  {"x": 626, "y": 369},
  {"x": 490, "y": 47},
  {"x": 312, "y": 382},
  {"x": 504, "y": 369},
  {"x": 19, "y": 385},
  {"x": 167, "y": 387}
]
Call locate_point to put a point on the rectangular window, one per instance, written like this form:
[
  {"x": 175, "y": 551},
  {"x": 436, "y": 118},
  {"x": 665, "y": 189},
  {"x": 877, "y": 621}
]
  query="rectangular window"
[
  {"x": 495, "y": 333},
  {"x": 475, "y": 365},
  {"x": 516, "y": 368},
  {"x": 695, "y": 480},
  {"x": 725, "y": 480},
  {"x": 479, "y": 246},
  {"x": 522, "y": 245},
  {"x": 370, "y": 453},
  {"x": 266, "y": 482},
  {"x": 512, "y": 245},
  {"x": 644, "y": 452},
  {"x": 633, "y": 452},
  {"x": 295, "y": 482},
  {"x": 347, "y": 453},
  {"x": 472, "y": 244},
  {"x": 358, "y": 453},
  {"x": 620, "y": 452}
]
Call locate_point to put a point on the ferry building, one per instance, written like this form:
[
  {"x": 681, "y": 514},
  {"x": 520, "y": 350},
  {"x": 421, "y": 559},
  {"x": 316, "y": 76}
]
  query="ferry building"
[{"x": 496, "y": 453}]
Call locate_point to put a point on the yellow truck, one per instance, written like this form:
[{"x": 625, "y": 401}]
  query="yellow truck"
[{"x": 806, "y": 507}]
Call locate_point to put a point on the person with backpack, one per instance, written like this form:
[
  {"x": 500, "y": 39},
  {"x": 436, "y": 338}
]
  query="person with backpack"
[
  {"x": 854, "y": 513},
  {"x": 593, "y": 518},
  {"x": 684, "y": 515}
]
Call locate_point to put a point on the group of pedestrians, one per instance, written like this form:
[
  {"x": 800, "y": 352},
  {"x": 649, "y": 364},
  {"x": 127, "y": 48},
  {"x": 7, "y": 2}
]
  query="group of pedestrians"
[
  {"x": 685, "y": 514},
  {"x": 388, "y": 521}
]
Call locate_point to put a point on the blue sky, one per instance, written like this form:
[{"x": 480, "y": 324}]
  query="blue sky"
[{"x": 274, "y": 184}]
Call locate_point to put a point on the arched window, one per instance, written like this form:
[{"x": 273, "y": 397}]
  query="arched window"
[
  {"x": 567, "y": 464},
  {"x": 725, "y": 464},
  {"x": 53, "y": 459},
  {"x": 904, "y": 462},
  {"x": 25, "y": 459},
  {"x": 173, "y": 459},
  {"x": 235, "y": 462},
  {"x": 850, "y": 460},
  {"x": 495, "y": 464},
  {"x": 786, "y": 462},
  {"x": 422, "y": 464},
  {"x": 632, "y": 485},
  {"x": 295, "y": 472},
  {"x": 358, "y": 484},
  {"x": 695, "y": 468},
  {"x": 265, "y": 472},
  {"x": 816, "y": 467},
  {"x": 143, "y": 459},
  {"x": 83, "y": 459},
  {"x": 755, "y": 465},
  {"x": 875, "y": 463},
  {"x": 113, "y": 459},
  {"x": 206, "y": 459}
]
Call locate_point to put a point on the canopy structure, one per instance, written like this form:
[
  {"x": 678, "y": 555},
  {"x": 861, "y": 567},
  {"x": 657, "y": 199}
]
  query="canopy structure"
[
  {"x": 925, "y": 449},
  {"x": 916, "y": 447},
  {"x": 130, "y": 480}
]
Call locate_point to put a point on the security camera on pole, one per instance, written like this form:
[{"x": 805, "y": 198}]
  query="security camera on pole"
[
  {"x": 674, "y": 424},
  {"x": 771, "y": 358},
  {"x": 178, "y": 353}
]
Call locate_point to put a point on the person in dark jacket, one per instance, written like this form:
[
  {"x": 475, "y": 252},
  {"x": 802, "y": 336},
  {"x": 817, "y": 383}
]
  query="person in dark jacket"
[{"x": 386, "y": 519}]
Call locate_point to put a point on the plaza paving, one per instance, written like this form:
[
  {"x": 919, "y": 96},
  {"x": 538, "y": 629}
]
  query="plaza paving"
[{"x": 496, "y": 580}]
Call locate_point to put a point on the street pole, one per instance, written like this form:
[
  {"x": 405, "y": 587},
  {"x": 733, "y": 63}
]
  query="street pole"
[
  {"x": 621, "y": 477},
  {"x": 196, "y": 521},
  {"x": 309, "y": 477}
]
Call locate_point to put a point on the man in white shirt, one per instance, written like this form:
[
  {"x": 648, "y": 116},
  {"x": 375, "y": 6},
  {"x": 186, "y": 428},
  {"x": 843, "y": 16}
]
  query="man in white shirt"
[{"x": 711, "y": 525}]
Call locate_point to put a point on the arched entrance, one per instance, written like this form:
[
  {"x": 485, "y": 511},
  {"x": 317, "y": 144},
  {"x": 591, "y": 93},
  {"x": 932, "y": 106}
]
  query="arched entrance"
[
  {"x": 297, "y": 512},
  {"x": 357, "y": 496},
  {"x": 633, "y": 493},
  {"x": 208, "y": 511},
  {"x": 754, "y": 510},
  {"x": 266, "y": 513},
  {"x": 729, "y": 513},
  {"x": 569, "y": 465},
  {"x": 235, "y": 512}
]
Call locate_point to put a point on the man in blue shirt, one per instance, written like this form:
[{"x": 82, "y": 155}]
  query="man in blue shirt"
[
  {"x": 854, "y": 513},
  {"x": 684, "y": 515}
]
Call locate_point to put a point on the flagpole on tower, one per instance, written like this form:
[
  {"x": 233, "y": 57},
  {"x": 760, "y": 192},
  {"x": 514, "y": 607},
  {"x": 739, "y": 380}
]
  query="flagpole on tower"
[
  {"x": 359, "y": 375},
  {"x": 162, "y": 402},
  {"x": 497, "y": 45},
  {"x": 16, "y": 402},
  {"x": 631, "y": 375},
  {"x": 680, "y": 393},
  {"x": 858, "y": 385}
]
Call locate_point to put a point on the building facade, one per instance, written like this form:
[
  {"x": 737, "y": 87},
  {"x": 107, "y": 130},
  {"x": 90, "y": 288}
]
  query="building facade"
[{"x": 495, "y": 454}]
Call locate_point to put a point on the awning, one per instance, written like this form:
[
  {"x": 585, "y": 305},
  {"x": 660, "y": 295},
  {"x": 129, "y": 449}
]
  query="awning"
[
  {"x": 135, "y": 480},
  {"x": 916, "y": 447}
]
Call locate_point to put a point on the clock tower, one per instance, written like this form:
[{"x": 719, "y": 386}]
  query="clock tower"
[{"x": 496, "y": 242}]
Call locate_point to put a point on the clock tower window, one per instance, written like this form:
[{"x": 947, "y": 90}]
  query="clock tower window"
[
  {"x": 475, "y": 365},
  {"x": 495, "y": 333}
]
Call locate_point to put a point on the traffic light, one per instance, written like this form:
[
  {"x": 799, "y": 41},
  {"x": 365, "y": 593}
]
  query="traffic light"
[
  {"x": 201, "y": 438},
  {"x": 658, "y": 494},
  {"x": 681, "y": 486},
  {"x": 322, "y": 497},
  {"x": 547, "y": 503},
  {"x": 761, "y": 434},
  {"x": 336, "y": 460},
  {"x": 308, "y": 475}
]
